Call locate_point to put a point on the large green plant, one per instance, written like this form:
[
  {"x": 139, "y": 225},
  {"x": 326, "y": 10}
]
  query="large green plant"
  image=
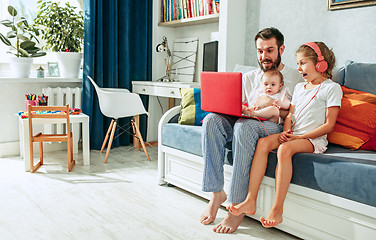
[
  {"x": 62, "y": 27},
  {"x": 22, "y": 35}
]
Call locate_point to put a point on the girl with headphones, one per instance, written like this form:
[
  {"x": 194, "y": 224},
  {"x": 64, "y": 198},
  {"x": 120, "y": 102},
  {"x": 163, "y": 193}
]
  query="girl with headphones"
[{"x": 312, "y": 115}]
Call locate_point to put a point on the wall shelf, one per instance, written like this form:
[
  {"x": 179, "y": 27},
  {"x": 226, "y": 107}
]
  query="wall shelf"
[
  {"x": 191, "y": 21},
  {"x": 40, "y": 80}
]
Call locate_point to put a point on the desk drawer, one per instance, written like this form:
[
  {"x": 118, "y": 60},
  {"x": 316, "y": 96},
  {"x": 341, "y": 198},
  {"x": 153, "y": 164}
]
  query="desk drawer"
[
  {"x": 147, "y": 90},
  {"x": 171, "y": 92}
]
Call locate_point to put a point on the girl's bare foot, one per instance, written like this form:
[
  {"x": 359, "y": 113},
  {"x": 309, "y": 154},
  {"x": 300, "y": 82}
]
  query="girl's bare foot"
[
  {"x": 208, "y": 216},
  {"x": 274, "y": 218},
  {"x": 229, "y": 224},
  {"x": 247, "y": 207}
]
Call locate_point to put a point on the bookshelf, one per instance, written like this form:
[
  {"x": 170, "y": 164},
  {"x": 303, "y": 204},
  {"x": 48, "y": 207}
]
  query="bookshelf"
[
  {"x": 191, "y": 21},
  {"x": 230, "y": 28},
  {"x": 230, "y": 23}
]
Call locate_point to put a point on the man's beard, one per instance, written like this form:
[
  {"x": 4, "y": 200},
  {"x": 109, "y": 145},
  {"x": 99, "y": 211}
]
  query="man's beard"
[{"x": 273, "y": 66}]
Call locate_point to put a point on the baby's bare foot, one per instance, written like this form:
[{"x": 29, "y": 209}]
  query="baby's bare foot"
[{"x": 208, "y": 216}]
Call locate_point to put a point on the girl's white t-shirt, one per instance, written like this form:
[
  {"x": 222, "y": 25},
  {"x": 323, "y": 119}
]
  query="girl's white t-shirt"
[{"x": 310, "y": 114}]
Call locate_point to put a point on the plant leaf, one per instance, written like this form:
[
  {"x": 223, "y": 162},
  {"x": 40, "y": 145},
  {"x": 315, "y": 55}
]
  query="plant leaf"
[
  {"x": 39, "y": 54},
  {"x": 27, "y": 45},
  {"x": 24, "y": 21},
  {"x": 12, "y": 11},
  {"x": 5, "y": 40},
  {"x": 22, "y": 37},
  {"x": 11, "y": 34},
  {"x": 6, "y": 23},
  {"x": 23, "y": 53}
]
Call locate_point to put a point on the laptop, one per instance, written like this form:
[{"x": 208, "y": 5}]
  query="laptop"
[{"x": 221, "y": 92}]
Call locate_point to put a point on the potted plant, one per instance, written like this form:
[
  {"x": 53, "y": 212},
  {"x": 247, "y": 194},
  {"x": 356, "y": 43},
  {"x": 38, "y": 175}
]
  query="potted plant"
[
  {"x": 22, "y": 39},
  {"x": 63, "y": 30}
]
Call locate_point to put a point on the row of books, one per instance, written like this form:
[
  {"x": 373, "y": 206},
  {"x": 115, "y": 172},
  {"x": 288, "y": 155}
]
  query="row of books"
[{"x": 179, "y": 9}]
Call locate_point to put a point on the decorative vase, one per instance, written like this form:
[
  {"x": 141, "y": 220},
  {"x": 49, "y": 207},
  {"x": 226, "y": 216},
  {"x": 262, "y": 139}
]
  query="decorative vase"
[
  {"x": 20, "y": 66},
  {"x": 69, "y": 64}
]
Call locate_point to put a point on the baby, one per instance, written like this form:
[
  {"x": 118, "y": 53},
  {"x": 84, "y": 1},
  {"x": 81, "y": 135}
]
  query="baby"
[{"x": 271, "y": 99}]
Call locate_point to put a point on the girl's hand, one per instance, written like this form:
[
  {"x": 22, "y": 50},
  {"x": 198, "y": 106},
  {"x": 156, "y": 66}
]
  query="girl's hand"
[
  {"x": 291, "y": 136},
  {"x": 283, "y": 137}
]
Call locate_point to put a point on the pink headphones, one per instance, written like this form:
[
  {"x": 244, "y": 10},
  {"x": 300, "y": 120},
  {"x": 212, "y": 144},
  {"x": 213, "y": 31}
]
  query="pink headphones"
[{"x": 321, "y": 65}]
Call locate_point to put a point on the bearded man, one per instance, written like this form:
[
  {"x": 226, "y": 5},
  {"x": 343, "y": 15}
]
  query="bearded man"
[{"x": 219, "y": 129}]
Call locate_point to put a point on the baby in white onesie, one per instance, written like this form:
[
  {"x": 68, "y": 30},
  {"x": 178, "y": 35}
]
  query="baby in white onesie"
[{"x": 271, "y": 99}]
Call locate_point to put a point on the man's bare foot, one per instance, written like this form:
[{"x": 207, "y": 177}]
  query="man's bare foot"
[
  {"x": 274, "y": 218},
  {"x": 208, "y": 216},
  {"x": 229, "y": 224},
  {"x": 247, "y": 207}
]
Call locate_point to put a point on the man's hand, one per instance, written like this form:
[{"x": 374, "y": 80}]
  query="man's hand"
[{"x": 247, "y": 110}]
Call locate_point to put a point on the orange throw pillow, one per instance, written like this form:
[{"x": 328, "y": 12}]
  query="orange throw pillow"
[{"x": 356, "y": 122}]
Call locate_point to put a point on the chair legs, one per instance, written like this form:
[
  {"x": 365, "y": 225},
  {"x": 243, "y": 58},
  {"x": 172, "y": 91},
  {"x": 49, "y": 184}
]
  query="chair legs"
[
  {"x": 138, "y": 134},
  {"x": 111, "y": 139},
  {"x": 71, "y": 162},
  {"x": 34, "y": 168},
  {"x": 107, "y": 135}
]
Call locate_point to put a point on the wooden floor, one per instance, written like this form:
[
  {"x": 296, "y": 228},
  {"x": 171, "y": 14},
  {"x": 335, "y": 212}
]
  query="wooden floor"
[{"x": 117, "y": 200}]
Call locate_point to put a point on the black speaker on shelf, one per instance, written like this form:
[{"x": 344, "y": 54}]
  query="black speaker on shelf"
[{"x": 210, "y": 57}]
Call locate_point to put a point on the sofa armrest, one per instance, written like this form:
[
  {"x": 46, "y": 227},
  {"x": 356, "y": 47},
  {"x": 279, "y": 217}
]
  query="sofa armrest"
[{"x": 164, "y": 119}]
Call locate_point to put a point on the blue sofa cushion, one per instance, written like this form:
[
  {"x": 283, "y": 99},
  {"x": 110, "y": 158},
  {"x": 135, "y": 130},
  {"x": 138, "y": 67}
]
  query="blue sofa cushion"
[
  {"x": 360, "y": 76},
  {"x": 339, "y": 76},
  {"x": 339, "y": 171},
  {"x": 186, "y": 138}
]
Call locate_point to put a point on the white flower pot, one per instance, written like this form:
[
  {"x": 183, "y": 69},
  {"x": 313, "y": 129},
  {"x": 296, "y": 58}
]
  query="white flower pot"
[
  {"x": 69, "y": 64},
  {"x": 20, "y": 66}
]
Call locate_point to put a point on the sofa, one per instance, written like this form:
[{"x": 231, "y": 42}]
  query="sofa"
[{"x": 331, "y": 196}]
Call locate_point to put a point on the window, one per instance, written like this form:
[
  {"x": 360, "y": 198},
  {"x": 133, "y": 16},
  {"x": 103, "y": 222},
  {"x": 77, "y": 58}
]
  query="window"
[{"x": 27, "y": 9}]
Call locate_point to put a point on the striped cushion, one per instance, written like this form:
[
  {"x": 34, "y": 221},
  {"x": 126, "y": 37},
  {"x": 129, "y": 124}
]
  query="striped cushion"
[
  {"x": 356, "y": 122},
  {"x": 191, "y": 112}
]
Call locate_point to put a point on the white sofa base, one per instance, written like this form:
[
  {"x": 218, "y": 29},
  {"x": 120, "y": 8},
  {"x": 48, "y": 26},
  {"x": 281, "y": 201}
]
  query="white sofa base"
[{"x": 308, "y": 213}]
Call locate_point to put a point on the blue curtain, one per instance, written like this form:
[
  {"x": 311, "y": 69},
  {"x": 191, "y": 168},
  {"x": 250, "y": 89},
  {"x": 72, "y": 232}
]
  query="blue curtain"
[{"x": 117, "y": 51}]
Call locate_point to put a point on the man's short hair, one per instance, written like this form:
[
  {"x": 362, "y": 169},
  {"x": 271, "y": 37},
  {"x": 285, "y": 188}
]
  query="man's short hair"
[{"x": 268, "y": 33}]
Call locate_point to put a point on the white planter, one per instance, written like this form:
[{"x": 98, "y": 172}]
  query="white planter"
[
  {"x": 69, "y": 64},
  {"x": 20, "y": 66}
]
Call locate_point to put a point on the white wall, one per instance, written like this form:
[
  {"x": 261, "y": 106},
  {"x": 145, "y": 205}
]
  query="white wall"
[{"x": 351, "y": 33}]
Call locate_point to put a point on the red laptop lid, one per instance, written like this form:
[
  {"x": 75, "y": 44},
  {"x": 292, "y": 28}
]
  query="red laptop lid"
[{"x": 221, "y": 92}]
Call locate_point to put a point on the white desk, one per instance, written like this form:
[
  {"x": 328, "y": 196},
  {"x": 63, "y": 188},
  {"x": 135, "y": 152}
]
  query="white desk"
[
  {"x": 74, "y": 120},
  {"x": 162, "y": 89}
]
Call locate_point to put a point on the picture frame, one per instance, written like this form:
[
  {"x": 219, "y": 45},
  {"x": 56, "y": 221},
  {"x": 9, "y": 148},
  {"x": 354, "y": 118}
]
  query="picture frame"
[
  {"x": 53, "y": 69},
  {"x": 343, "y": 4}
]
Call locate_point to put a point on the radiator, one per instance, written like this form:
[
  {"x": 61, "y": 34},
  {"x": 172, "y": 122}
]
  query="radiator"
[{"x": 61, "y": 97}]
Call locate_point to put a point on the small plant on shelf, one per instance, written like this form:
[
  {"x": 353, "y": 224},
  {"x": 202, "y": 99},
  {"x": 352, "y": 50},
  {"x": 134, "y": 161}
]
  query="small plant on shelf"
[{"x": 22, "y": 37}]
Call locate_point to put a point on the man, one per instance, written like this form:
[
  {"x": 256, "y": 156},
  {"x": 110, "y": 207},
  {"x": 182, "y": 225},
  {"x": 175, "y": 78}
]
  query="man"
[{"x": 243, "y": 132}]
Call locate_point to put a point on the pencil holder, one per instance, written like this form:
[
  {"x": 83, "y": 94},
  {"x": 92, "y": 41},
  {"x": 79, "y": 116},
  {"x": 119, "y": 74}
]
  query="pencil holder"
[
  {"x": 42, "y": 104},
  {"x": 31, "y": 102}
]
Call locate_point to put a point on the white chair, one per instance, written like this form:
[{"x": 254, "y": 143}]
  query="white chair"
[{"x": 118, "y": 103}]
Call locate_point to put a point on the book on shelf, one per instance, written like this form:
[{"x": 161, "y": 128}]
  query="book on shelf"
[{"x": 179, "y": 9}]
